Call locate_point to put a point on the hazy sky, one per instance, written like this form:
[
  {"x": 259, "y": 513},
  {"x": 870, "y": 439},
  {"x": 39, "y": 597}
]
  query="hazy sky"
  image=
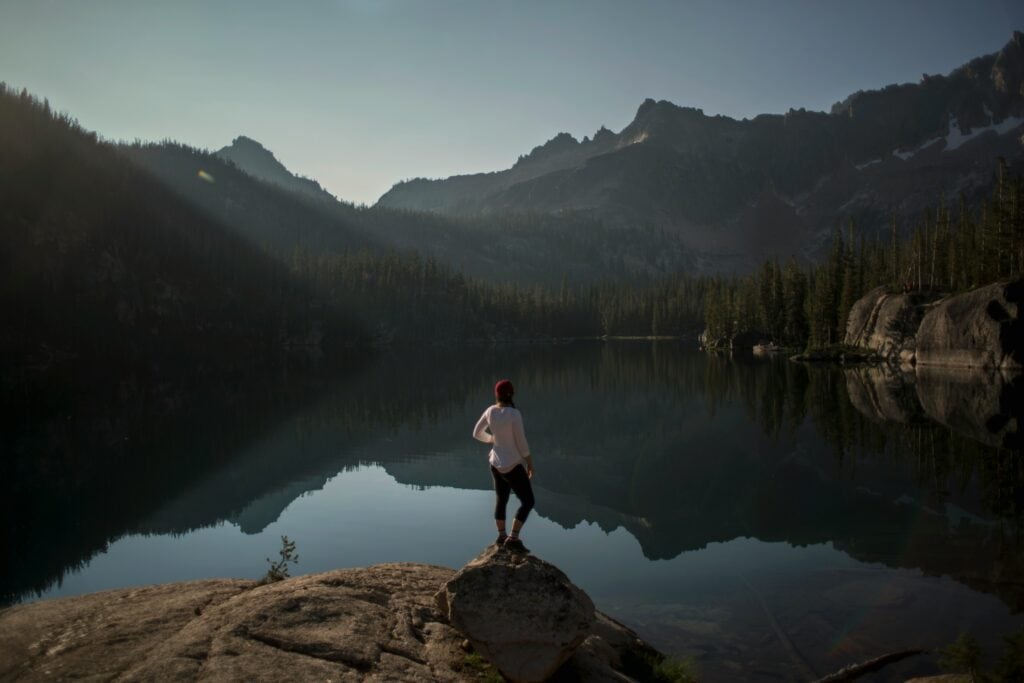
[{"x": 360, "y": 94}]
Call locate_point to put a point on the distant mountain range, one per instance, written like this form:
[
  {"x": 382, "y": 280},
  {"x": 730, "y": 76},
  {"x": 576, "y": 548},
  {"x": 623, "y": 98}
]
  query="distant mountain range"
[
  {"x": 732, "y": 192},
  {"x": 248, "y": 190}
]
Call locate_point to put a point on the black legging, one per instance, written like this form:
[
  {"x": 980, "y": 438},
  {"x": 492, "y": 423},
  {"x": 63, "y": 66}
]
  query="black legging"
[{"x": 515, "y": 480}]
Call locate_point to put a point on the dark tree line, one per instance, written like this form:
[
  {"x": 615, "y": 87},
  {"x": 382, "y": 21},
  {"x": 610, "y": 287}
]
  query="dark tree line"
[
  {"x": 948, "y": 250},
  {"x": 405, "y": 298}
]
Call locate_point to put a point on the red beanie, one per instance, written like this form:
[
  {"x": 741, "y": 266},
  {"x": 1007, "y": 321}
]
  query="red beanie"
[{"x": 503, "y": 390}]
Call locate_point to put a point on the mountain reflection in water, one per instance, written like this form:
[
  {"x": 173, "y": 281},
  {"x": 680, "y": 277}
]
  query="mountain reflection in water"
[{"x": 770, "y": 501}]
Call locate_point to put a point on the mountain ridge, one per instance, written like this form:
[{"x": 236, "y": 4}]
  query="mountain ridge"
[{"x": 701, "y": 177}]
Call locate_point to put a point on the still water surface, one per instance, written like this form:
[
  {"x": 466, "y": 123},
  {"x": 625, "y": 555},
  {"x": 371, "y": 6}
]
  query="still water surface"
[{"x": 746, "y": 513}]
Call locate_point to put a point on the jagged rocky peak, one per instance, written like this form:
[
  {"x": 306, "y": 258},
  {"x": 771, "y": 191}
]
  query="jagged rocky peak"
[
  {"x": 682, "y": 128},
  {"x": 1008, "y": 69},
  {"x": 563, "y": 142},
  {"x": 652, "y": 116},
  {"x": 253, "y": 158},
  {"x": 652, "y": 110},
  {"x": 244, "y": 149},
  {"x": 993, "y": 82},
  {"x": 244, "y": 141},
  {"x": 603, "y": 135}
]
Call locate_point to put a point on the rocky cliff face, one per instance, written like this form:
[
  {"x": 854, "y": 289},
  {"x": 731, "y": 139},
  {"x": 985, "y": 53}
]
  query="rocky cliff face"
[
  {"x": 887, "y": 323},
  {"x": 775, "y": 184},
  {"x": 378, "y": 623},
  {"x": 979, "y": 329}
]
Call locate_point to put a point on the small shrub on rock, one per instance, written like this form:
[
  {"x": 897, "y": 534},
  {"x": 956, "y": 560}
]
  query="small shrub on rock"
[{"x": 279, "y": 569}]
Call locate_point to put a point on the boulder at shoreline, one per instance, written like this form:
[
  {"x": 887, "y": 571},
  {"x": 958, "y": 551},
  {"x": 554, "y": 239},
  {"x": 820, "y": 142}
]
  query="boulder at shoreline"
[
  {"x": 520, "y": 612},
  {"x": 981, "y": 328},
  {"x": 887, "y": 323}
]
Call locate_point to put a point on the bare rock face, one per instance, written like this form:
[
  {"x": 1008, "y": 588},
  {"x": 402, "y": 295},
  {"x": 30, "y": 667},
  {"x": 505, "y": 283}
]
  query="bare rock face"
[
  {"x": 373, "y": 624},
  {"x": 102, "y": 634},
  {"x": 887, "y": 323},
  {"x": 859, "y": 323},
  {"x": 520, "y": 612},
  {"x": 348, "y": 625},
  {"x": 979, "y": 329}
]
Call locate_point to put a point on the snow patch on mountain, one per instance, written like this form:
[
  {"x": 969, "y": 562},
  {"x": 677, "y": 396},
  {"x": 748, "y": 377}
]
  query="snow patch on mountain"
[
  {"x": 957, "y": 139},
  {"x": 861, "y": 167}
]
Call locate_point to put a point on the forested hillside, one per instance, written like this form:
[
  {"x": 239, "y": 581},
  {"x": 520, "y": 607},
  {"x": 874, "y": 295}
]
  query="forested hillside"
[
  {"x": 501, "y": 248},
  {"x": 159, "y": 256},
  {"x": 102, "y": 265}
]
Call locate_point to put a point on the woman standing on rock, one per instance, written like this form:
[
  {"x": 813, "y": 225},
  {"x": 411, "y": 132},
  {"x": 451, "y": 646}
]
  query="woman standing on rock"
[{"x": 501, "y": 425}]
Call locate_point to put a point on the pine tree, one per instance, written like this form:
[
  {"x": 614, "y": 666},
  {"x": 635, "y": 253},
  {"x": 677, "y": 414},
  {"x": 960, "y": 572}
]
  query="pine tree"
[
  {"x": 851, "y": 289},
  {"x": 794, "y": 294}
]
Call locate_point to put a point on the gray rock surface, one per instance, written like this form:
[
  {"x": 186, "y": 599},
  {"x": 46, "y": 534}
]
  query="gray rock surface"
[
  {"x": 887, "y": 323},
  {"x": 103, "y": 634},
  {"x": 981, "y": 328},
  {"x": 374, "y": 624},
  {"x": 520, "y": 612}
]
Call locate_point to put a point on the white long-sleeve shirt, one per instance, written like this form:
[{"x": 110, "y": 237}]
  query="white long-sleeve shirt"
[{"x": 509, "y": 447}]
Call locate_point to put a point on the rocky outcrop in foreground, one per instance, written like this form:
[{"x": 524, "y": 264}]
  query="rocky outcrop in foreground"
[
  {"x": 521, "y": 613},
  {"x": 380, "y": 623}
]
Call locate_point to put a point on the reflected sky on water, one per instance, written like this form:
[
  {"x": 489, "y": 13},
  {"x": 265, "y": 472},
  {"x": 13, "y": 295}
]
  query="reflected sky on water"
[{"x": 745, "y": 513}]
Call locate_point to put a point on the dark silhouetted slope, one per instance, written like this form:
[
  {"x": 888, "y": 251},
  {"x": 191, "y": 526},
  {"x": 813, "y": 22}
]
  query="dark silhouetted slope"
[{"x": 102, "y": 264}]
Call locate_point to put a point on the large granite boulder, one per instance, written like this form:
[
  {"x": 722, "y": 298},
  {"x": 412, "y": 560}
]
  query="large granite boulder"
[
  {"x": 981, "y": 329},
  {"x": 887, "y": 323},
  {"x": 520, "y": 612}
]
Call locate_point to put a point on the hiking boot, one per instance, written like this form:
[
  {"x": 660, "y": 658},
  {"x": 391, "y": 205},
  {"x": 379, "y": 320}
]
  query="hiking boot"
[
  {"x": 515, "y": 545},
  {"x": 500, "y": 540}
]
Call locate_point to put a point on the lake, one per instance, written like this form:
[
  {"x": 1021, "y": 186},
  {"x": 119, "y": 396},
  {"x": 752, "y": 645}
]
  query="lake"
[{"x": 774, "y": 521}]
